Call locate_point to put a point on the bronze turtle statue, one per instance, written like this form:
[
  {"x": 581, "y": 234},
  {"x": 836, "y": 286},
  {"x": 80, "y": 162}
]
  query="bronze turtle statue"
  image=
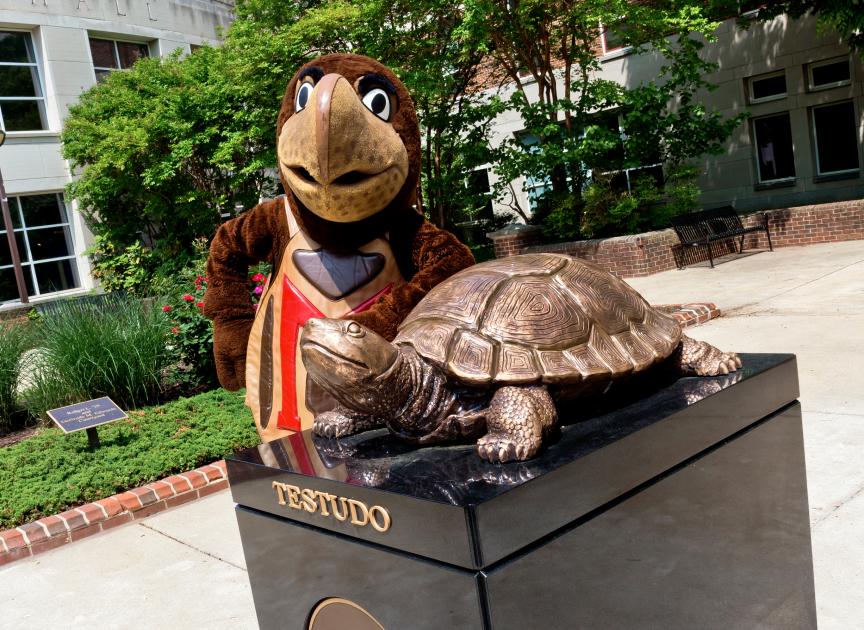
[{"x": 487, "y": 352}]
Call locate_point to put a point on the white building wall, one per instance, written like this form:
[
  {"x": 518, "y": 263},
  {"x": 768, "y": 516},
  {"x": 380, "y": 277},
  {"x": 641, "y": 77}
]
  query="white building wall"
[{"x": 31, "y": 161}]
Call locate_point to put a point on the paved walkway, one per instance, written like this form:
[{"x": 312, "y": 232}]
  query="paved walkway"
[{"x": 184, "y": 568}]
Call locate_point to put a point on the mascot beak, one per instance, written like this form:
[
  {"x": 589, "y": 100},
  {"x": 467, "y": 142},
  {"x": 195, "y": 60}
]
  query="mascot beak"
[{"x": 342, "y": 161}]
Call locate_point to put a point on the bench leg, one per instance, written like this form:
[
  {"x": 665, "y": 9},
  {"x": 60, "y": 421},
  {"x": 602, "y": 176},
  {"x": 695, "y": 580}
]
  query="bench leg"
[
  {"x": 710, "y": 254},
  {"x": 768, "y": 234},
  {"x": 741, "y": 245}
]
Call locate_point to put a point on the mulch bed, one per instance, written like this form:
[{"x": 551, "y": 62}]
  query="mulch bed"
[{"x": 18, "y": 435}]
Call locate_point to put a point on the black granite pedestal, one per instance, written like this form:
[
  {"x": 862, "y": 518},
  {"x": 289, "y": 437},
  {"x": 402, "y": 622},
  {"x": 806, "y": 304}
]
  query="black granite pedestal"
[{"x": 683, "y": 505}]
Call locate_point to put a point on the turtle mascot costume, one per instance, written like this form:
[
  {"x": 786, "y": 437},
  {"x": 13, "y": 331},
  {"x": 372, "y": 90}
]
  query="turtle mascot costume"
[{"x": 346, "y": 240}]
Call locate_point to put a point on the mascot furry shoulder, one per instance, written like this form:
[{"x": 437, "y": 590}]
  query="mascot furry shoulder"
[{"x": 346, "y": 240}]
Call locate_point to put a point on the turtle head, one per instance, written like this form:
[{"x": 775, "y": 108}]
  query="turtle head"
[{"x": 345, "y": 357}]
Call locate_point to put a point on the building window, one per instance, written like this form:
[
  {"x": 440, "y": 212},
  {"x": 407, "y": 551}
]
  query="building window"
[
  {"x": 478, "y": 185},
  {"x": 835, "y": 137},
  {"x": 109, "y": 55},
  {"x": 623, "y": 179},
  {"x": 768, "y": 87},
  {"x": 41, "y": 227},
  {"x": 774, "y": 152},
  {"x": 22, "y": 102},
  {"x": 750, "y": 7},
  {"x": 614, "y": 37},
  {"x": 534, "y": 187},
  {"x": 829, "y": 74}
]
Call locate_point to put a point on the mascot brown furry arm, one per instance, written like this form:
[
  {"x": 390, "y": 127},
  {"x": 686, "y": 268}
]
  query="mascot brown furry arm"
[
  {"x": 346, "y": 240},
  {"x": 238, "y": 244}
]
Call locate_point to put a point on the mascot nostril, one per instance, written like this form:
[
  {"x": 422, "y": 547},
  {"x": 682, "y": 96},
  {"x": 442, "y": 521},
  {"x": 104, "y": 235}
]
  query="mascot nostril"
[{"x": 346, "y": 240}]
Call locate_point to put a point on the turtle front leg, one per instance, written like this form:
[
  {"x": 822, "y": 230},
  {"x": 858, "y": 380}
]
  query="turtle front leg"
[
  {"x": 517, "y": 420},
  {"x": 697, "y": 358},
  {"x": 342, "y": 421}
]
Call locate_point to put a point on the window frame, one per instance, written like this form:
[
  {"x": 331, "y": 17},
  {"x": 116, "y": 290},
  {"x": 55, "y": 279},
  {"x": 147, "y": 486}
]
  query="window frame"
[
  {"x": 766, "y": 99},
  {"x": 28, "y": 266},
  {"x": 620, "y": 50},
  {"x": 40, "y": 84},
  {"x": 780, "y": 180},
  {"x": 815, "y": 136},
  {"x": 114, "y": 41},
  {"x": 487, "y": 193},
  {"x": 827, "y": 62}
]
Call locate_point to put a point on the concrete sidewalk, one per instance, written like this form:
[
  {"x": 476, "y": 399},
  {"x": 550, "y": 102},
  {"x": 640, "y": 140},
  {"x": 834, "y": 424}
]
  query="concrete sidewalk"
[{"x": 184, "y": 568}]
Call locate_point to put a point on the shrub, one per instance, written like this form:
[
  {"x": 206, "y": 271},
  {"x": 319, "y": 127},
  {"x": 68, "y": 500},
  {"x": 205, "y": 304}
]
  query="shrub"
[
  {"x": 190, "y": 338},
  {"x": 14, "y": 343},
  {"x": 609, "y": 212},
  {"x": 121, "y": 268},
  {"x": 114, "y": 347},
  {"x": 190, "y": 333},
  {"x": 562, "y": 222}
]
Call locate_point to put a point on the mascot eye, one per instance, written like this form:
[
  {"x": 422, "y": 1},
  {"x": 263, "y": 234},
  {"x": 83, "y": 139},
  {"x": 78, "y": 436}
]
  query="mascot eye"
[
  {"x": 303, "y": 94},
  {"x": 377, "y": 101},
  {"x": 355, "y": 330}
]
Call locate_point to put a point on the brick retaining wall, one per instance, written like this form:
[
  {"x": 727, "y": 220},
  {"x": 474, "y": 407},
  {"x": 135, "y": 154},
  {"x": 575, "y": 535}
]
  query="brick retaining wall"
[
  {"x": 56, "y": 530},
  {"x": 626, "y": 256},
  {"x": 652, "y": 252},
  {"x": 804, "y": 225}
]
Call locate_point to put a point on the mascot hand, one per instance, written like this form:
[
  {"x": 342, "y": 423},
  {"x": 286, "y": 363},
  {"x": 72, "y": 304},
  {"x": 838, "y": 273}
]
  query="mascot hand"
[{"x": 229, "y": 348}]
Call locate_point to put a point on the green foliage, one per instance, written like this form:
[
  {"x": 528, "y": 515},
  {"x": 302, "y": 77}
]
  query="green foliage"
[
  {"x": 190, "y": 333},
  {"x": 87, "y": 349},
  {"x": 163, "y": 149},
  {"x": 191, "y": 337},
  {"x": 167, "y": 146},
  {"x": 15, "y": 341},
  {"x": 51, "y": 472},
  {"x": 609, "y": 212},
  {"x": 483, "y": 252},
  {"x": 547, "y": 50},
  {"x": 562, "y": 221},
  {"x": 119, "y": 269}
]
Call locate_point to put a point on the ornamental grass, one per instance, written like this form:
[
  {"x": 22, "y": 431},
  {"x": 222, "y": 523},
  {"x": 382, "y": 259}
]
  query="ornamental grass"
[
  {"x": 14, "y": 344},
  {"x": 115, "y": 347}
]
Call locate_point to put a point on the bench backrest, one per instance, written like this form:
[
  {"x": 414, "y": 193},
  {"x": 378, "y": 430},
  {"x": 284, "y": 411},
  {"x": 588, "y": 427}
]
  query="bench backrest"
[{"x": 697, "y": 226}]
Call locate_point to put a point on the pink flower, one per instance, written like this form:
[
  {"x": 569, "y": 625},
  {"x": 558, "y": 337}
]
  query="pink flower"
[
  {"x": 188, "y": 298},
  {"x": 200, "y": 305},
  {"x": 166, "y": 309},
  {"x": 175, "y": 330},
  {"x": 258, "y": 290},
  {"x": 258, "y": 277}
]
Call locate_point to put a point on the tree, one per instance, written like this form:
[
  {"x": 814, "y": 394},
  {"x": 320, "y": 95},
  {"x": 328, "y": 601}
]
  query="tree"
[
  {"x": 162, "y": 150},
  {"x": 420, "y": 41},
  {"x": 548, "y": 53}
]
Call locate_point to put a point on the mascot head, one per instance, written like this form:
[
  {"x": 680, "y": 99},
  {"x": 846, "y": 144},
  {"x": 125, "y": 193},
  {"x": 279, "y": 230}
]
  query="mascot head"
[{"x": 348, "y": 144}]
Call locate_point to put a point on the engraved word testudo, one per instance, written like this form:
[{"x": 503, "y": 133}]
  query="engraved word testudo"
[{"x": 332, "y": 506}]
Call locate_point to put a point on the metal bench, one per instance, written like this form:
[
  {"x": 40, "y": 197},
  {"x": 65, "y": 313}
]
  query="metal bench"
[{"x": 702, "y": 229}]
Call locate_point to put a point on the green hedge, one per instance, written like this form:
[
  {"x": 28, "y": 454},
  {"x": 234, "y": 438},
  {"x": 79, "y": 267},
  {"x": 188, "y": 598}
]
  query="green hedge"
[{"x": 52, "y": 472}]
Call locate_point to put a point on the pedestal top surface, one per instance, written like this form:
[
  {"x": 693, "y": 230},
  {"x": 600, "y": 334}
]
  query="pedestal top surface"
[{"x": 455, "y": 475}]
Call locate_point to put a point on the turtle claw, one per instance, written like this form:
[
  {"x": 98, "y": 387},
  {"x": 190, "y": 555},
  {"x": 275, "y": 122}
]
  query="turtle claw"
[
  {"x": 332, "y": 424},
  {"x": 698, "y": 358},
  {"x": 499, "y": 449}
]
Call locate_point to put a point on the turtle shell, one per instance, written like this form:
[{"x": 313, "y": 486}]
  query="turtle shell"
[{"x": 536, "y": 318}]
